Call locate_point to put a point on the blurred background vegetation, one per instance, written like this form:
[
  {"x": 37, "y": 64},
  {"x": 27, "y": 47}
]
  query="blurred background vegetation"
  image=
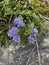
[{"x": 28, "y": 10}]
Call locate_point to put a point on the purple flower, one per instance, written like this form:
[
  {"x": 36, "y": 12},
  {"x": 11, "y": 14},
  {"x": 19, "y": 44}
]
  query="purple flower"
[
  {"x": 16, "y": 20},
  {"x": 13, "y": 31},
  {"x": 19, "y": 22},
  {"x": 17, "y": 39},
  {"x": 35, "y": 31},
  {"x": 31, "y": 39}
]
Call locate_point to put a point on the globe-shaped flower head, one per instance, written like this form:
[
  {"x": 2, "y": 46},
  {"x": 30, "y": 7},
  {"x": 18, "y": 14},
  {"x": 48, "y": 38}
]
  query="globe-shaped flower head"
[
  {"x": 35, "y": 31},
  {"x": 13, "y": 31},
  {"x": 19, "y": 22},
  {"x": 31, "y": 39},
  {"x": 17, "y": 39}
]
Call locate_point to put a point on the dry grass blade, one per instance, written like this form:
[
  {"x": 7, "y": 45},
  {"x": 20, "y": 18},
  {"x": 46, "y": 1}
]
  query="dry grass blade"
[
  {"x": 38, "y": 53},
  {"x": 30, "y": 55}
]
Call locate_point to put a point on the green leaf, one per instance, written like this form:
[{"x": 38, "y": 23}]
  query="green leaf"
[
  {"x": 8, "y": 10},
  {"x": 29, "y": 29},
  {"x": 6, "y": 2}
]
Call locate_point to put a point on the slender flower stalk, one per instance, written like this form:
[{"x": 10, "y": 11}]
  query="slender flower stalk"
[{"x": 38, "y": 52}]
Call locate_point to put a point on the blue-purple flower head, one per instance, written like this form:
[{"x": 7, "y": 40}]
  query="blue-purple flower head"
[
  {"x": 13, "y": 31},
  {"x": 31, "y": 39},
  {"x": 17, "y": 39},
  {"x": 19, "y": 22},
  {"x": 35, "y": 31},
  {"x": 16, "y": 21}
]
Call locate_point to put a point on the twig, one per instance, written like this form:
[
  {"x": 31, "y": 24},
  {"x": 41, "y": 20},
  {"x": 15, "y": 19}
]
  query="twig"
[
  {"x": 43, "y": 17},
  {"x": 3, "y": 7},
  {"x": 30, "y": 54},
  {"x": 36, "y": 60},
  {"x": 10, "y": 18},
  {"x": 7, "y": 25},
  {"x": 46, "y": 18},
  {"x": 38, "y": 53}
]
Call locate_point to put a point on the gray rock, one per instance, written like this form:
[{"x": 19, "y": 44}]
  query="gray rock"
[{"x": 1, "y": 52}]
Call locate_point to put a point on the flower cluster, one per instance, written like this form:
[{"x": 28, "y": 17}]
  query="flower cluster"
[
  {"x": 19, "y": 22},
  {"x": 31, "y": 38},
  {"x": 17, "y": 39},
  {"x": 13, "y": 32}
]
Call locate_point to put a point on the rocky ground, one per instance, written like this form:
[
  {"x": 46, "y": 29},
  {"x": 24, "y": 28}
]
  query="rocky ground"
[{"x": 26, "y": 55}]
